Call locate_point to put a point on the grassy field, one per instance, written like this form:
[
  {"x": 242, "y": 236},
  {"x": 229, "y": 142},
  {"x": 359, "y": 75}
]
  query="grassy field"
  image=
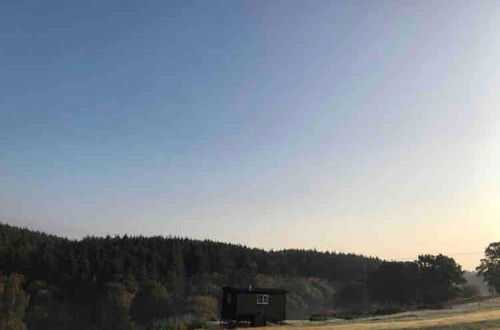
[{"x": 478, "y": 315}]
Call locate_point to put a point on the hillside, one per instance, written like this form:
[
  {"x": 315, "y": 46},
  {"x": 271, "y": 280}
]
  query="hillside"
[
  {"x": 77, "y": 272},
  {"x": 134, "y": 281}
]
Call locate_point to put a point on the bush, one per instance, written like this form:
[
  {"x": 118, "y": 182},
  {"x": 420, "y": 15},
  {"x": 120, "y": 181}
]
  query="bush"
[
  {"x": 13, "y": 302},
  {"x": 350, "y": 314},
  {"x": 204, "y": 307},
  {"x": 388, "y": 310},
  {"x": 183, "y": 322},
  {"x": 152, "y": 302}
]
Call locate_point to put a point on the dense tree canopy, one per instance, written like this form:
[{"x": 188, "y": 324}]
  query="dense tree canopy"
[
  {"x": 131, "y": 282},
  {"x": 440, "y": 277},
  {"x": 395, "y": 282},
  {"x": 489, "y": 267},
  {"x": 137, "y": 279},
  {"x": 127, "y": 259}
]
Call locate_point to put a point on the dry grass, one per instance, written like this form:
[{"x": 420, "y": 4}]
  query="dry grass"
[
  {"x": 416, "y": 324},
  {"x": 478, "y": 315}
]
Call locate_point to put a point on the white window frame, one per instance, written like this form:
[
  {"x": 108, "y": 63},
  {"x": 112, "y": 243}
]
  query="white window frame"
[{"x": 262, "y": 299}]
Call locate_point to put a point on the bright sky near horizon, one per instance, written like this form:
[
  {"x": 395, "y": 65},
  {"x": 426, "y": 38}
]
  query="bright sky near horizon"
[{"x": 354, "y": 126}]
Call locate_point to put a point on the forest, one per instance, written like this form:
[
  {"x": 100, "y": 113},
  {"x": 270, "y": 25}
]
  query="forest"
[{"x": 136, "y": 282}]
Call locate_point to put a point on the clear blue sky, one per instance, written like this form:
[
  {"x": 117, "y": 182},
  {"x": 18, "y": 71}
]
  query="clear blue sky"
[{"x": 357, "y": 126}]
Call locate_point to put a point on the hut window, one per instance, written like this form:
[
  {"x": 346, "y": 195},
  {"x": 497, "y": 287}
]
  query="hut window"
[{"x": 262, "y": 299}]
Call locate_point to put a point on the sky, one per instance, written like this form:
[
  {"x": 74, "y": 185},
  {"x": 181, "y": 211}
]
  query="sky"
[{"x": 351, "y": 126}]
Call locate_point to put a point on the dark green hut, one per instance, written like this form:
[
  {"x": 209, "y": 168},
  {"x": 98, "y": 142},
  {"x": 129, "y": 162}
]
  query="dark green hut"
[{"x": 255, "y": 305}]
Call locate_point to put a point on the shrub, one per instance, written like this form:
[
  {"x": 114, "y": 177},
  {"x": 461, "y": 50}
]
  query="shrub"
[
  {"x": 204, "y": 307},
  {"x": 183, "y": 322},
  {"x": 388, "y": 310}
]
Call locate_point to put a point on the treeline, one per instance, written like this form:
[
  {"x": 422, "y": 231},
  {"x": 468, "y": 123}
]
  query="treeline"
[
  {"x": 51, "y": 258},
  {"x": 141, "y": 280},
  {"x": 135, "y": 282}
]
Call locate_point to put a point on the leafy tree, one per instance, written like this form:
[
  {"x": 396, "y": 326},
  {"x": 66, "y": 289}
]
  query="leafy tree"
[
  {"x": 351, "y": 295},
  {"x": 489, "y": 268},
  {"x": 394, "y": 282},
  {"x": 151, "y": 302},
  {"x": 115, "y": 307},
  {"x": 13, "y": 302},
  {"x": 440, "y": 277},
  {"x": 37, "y": 316}
]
